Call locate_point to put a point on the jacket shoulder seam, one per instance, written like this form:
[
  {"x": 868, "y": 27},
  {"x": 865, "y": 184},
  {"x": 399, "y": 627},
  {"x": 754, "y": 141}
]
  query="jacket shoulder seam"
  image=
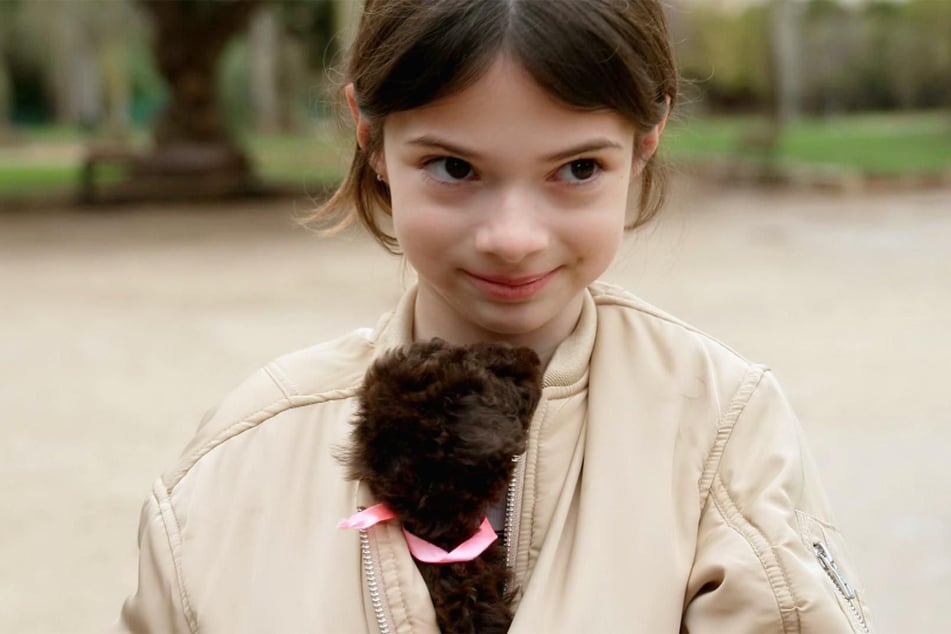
[
  {"x": 173, "y": 533},
  {"x": 773, "y": 568},
  {"x": 251, "y": 421},
  {"x": 618, "y": 297},
  {"x": 725, "y": 425}
]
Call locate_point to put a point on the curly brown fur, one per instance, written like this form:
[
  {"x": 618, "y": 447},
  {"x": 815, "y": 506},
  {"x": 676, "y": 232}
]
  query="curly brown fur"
[{"x": 434, "y": 438}]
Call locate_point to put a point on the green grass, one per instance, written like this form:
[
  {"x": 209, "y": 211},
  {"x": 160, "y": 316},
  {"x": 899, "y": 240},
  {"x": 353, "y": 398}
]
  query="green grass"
[
  {"x": 316, "y": 159},
  {"x": 56, "y": 174},
  {"x": 875, "y": 144},
  {"x": 57, "y": 134},
  {"x": 47, "y": 179},
  {"x": 308, "y": 161}
]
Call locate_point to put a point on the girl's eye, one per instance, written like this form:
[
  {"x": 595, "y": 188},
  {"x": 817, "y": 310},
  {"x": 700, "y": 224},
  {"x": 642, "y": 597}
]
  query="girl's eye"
[
  {"x": 579, "y": 171},
  {"x": 449, "y": 169}
]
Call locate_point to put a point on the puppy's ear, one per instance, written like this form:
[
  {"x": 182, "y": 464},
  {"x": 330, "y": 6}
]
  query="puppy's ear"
[
  {"x": 519, "y": 366},
  {"x": 426, "y": 364},
  {"x": 508, "y": 362}
]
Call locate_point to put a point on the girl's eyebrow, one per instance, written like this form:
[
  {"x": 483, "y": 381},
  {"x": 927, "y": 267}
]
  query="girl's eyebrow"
[
  {"x": 430, "y": 141},
  {"x": 591, "y": 145}
]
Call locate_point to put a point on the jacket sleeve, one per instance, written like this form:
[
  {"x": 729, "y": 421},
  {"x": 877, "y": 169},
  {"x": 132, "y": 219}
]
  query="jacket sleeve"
[
  {"x": 160, "y": 604},
  {"x": 768, "y": 558}
]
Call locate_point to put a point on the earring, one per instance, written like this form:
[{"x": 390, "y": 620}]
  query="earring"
[{"x": 379, "y": 178}]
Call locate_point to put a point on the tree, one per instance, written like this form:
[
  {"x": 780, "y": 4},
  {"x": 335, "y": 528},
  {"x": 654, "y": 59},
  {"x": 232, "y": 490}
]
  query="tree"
[
  {"x": 315, "y": 37},
  {"x": 193, "y": 152},
  {"x": 5, "y": 88},
  {"x": 263, "y": 62},
  {"x": 784, "y": 44}
]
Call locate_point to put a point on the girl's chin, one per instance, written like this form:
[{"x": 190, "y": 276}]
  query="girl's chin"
[{"x": 519, "y": 325}]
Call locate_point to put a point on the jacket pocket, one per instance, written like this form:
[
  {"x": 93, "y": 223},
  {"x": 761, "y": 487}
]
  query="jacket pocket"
[{"x": 827, "y": 545}]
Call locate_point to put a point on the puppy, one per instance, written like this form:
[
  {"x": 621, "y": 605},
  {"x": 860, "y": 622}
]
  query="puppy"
[{"x": 434, "y": 439}]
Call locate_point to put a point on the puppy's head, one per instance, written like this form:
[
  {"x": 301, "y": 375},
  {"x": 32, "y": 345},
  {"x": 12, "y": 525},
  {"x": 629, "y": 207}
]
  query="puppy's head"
[{"x": 437, "y": 429}]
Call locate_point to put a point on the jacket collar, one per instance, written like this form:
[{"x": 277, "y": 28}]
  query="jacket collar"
[{"x": 567, "y": 367}]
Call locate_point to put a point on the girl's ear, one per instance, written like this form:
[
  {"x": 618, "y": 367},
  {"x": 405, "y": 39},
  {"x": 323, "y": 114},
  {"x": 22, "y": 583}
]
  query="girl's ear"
[
  {"x": 363, "y": 130},
  {"x": 649, "y": 142},
  {"x": 359, "y": 122}
]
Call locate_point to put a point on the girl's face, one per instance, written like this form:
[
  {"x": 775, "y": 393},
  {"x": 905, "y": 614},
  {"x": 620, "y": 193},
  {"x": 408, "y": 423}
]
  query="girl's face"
[{"x": 508, "y": 204}]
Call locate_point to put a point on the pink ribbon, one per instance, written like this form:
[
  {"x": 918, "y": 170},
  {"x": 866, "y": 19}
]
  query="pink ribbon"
[
  {"x": 368, "y": 517},
  {"x": 421, "y": 549}
]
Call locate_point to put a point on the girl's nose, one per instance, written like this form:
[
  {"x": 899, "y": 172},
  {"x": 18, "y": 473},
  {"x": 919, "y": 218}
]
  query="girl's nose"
[{"x": 513, "y": 230}]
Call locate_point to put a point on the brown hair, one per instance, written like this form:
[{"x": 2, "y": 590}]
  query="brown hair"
[{"x": 589, "y": 54}]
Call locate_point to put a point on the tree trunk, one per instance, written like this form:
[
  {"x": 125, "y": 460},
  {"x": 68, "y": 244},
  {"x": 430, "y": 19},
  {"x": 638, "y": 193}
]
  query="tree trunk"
[
  {"x": 265, "y": 49},
  {"x": 783, "y": 38},
  {"x": 76, "y": 85},
  {"x": 117, "y": 89},
  {"x": 784, "y": 42},
  {"x": 193, "y": 154},
  {"x": 189, "y": 39},
  {"x": 6, "y": 95}
]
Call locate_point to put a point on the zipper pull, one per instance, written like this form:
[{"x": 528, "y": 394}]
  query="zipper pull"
[{"x": 828, "y": 564}]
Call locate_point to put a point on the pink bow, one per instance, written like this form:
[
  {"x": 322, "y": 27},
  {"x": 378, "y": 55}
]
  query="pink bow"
[{"x": 421, "y": 549}]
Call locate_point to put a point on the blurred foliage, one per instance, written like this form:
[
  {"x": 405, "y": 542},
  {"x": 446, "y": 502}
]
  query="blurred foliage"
[
  {"x": 31, "y": 31},
  {"x": 876, "y": 55},
  {"x": 871, "y": 56},
  {"x": 307, "y": 50},
  {"x": 42, "y": 44},
  {"x": 149, "y": 92},
  {"x": 725, "y": 55},
  {"x": 312, "y": 23},
  {"x": 878, "y": 144}
]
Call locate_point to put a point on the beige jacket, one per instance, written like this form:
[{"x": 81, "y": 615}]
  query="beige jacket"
[{"x": 666, "y": 488}]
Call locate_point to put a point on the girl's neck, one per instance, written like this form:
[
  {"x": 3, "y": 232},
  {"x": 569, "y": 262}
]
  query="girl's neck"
[{"x": 544, "y": 340}]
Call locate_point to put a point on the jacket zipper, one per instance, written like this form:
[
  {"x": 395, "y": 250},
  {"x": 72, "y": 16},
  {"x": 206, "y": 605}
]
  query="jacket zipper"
[
  {"x": 512, "y": 515},
  {"x": 370, "y": 568},
  {"x": 839, "y": 581}
]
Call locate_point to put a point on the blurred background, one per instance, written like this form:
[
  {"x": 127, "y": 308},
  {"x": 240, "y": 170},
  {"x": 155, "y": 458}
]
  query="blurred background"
[{"x": 155, "y": 157}]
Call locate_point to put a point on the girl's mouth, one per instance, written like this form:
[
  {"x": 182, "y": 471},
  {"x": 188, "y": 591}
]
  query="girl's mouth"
[{"x": 509, "y": 288}]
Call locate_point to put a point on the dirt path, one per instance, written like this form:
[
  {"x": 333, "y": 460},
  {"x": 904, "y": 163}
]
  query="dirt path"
[{"x": 120, "y": 329}]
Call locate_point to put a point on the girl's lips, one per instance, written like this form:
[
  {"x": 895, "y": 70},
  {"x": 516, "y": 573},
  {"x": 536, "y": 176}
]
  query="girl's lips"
[{"x": 512, "y": 288}]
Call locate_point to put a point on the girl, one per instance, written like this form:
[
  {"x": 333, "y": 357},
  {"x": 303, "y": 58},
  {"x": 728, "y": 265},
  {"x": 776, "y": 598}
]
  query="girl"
[{"x": 665, "y": 486}]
